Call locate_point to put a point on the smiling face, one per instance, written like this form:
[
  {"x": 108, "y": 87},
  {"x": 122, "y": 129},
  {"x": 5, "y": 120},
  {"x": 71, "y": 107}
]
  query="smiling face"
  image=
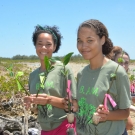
[
  {"x": 45, "y": 46},
  {"x": 89, "y": 44}
]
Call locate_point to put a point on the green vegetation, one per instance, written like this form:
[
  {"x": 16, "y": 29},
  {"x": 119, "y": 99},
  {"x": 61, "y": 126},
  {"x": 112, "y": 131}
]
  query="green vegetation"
[
  {"x": 33, "y": 58},
  {"x": 10, "y": 76}
]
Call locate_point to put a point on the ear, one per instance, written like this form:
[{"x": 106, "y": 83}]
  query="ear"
[{"x": 103, "y": 40}]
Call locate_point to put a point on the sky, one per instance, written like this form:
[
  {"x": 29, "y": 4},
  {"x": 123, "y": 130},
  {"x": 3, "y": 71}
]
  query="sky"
[{"x": 18, "y": 19}]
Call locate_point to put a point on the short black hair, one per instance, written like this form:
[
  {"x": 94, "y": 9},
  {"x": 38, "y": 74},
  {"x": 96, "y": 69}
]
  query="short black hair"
[
  {"x": 101, "y": 31},
  {"x": 54, "y": 31}
]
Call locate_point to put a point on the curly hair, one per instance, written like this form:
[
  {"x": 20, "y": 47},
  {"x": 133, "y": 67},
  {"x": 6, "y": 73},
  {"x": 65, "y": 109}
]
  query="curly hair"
[
  {"x": 54, "y": 31},
  {"x": 101, "y": 31}
]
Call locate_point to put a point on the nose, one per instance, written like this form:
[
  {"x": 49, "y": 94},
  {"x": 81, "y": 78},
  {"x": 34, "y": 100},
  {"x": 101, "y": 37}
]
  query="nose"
[
  {"x": 123, "y": 65},
  {"x": 44, "y": 46},
  {"x": 84, "y": 45}
]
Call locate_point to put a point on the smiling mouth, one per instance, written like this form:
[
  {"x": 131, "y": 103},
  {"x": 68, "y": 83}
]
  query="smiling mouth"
[
  {"x": 85, "y": 52},
  {"x": 43, "y": 53}
]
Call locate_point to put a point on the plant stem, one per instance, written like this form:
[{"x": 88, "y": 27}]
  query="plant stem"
[{"x": 27, "y": 93}]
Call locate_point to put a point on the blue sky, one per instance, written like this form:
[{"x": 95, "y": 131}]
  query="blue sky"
[{"x": 19, "y": 17}]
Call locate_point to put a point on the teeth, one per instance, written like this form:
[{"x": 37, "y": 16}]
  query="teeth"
[{"x": 43, "y": 53}]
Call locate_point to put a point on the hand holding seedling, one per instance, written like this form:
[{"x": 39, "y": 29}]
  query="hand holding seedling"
[
  {"x": 68, "y": 99},
  {"x": 102, "y": 113},
  {"x": 28, "y": 100}
]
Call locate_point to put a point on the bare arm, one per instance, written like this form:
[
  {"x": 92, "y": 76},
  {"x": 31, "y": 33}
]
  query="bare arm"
[
  {"x": 55, "y": 101},
  {"x": 60, "y": 103},
  {"x": 44, "y": 99},
  {"x": 120, "y": 114},
  {"x": 129, "y": 123}
]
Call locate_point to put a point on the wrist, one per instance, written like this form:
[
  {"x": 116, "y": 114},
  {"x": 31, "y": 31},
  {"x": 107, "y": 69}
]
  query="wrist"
[
  {"x": 49, "y": 98},
  {"x": 107, "y": 115}
]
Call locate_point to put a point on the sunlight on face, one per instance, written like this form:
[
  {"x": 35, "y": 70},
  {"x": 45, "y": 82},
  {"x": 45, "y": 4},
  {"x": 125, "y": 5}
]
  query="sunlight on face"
[
  {"x": 45, "y": 45},
  {"x": 88, "y": 43}
]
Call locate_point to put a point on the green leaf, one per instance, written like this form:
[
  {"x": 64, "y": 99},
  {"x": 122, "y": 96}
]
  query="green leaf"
[
  {"x": 132, "y": 77},
  {"x": 120, "y": 60},
  {"x": 19, "y": 74},
  {"x": 11, "y": 74},
  {"x": 42, "y": 78},
  {"x": 42, "y": 86},
  {"x": 47, "y": 63},
  {"x": 113, "y": 76},
  {"x": 52, "y": 60},
  {"x": 67, "y": 58},
  {"x": 10, "y": 68},
  {"x": 52, "y": 67},
  {"x": 66, "y": 72},
  {"x": 18, "y": 85}
]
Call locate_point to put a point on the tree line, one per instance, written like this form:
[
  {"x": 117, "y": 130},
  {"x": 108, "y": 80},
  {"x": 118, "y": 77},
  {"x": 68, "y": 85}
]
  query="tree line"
[{"x": 74, "y": 58}]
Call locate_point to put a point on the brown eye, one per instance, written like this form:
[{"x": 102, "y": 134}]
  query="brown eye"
[
  {"x": 79, "y": 41},
  {"x": 39, "y": 45},
  {"x": 49, "y": 44},
  {"x": 89, "y": 41}
]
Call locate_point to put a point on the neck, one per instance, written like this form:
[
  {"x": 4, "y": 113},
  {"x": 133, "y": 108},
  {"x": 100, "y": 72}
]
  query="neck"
[
  {"x": 42, "y": 67},
  {"x": 96, "y": 63}
]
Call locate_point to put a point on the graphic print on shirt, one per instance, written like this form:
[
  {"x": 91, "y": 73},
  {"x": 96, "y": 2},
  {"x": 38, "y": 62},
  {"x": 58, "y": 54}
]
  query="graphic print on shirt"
[
  {"x": 45, "y": 110},
  {"x": 86, "y": 110}
]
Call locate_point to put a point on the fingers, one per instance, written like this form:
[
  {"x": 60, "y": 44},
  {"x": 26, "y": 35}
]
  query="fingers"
[
  {"x": 102, "y": 112},
  {"x": 27, "y": 99},
  {"x": 75, "y": 106},
  {"x": 103, "y": 117},
  {"x": 101, "y": 107},
  {"x": 67, "y": 103}
]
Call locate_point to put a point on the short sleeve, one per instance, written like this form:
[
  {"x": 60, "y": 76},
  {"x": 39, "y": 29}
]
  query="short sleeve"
[{"x": 123, "y": 88}]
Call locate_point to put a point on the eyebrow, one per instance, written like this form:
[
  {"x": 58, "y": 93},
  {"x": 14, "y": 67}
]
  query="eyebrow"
[
  {"x": 46, "y": 41},
  {"x": 87, "y": 38}
]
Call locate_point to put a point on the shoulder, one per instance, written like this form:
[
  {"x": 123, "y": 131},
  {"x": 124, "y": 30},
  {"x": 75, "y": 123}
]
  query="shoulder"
[
  {"x": 113, "y": 67},
  {"x": 84, "y": 69}
]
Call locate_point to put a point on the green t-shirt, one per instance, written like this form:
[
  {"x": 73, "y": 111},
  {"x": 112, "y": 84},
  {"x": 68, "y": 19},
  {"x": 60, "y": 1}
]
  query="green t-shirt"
[
  {"x": 50, "y": 117},
  {"x": 92, "y": 85}
]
